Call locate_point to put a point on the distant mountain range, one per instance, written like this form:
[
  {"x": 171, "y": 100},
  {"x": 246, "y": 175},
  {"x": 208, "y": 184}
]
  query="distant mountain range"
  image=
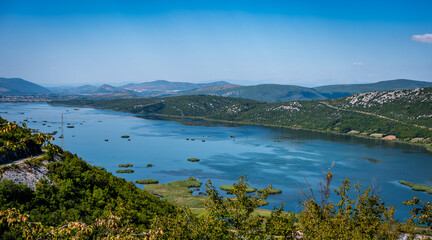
[
  {"x": 18, "y": 86},
  {"x": 343, "y": 90},
  {"x": 163, "y": 88},
  {"x": 283, "y": 93},
  {"x": 262, "y": 92}
]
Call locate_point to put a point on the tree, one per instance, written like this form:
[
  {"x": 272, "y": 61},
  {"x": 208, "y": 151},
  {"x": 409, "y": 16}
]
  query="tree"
[{"x": 422, "y": 213}]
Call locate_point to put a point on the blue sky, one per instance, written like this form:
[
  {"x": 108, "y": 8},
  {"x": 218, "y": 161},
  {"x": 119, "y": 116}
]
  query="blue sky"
[{"x": 306, "y": 43}]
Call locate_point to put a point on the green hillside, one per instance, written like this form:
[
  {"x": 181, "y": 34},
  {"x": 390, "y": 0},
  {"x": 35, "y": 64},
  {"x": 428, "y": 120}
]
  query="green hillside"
[
  {"x": 265, "y": 92},
  {"x": 284, "y": 93},
  {"x": 403, "y": 113},
  {"x": 18, "y": 86}
]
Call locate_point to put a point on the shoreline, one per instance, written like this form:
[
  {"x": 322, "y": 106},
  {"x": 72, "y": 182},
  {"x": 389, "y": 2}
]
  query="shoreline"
[
  {"x": 423, "y": 146},
  {"x": 426, "y": 147}
]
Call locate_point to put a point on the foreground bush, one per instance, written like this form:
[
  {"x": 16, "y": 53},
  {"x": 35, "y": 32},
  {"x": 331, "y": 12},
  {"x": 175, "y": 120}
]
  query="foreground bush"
[{"x": 363, "y": 216}]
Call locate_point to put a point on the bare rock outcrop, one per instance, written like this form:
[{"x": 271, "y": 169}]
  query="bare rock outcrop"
[{"x": 28, "y": 174}]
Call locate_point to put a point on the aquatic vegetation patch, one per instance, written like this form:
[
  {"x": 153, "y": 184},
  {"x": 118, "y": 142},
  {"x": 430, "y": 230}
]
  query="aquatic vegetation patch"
[
  {"x": 178, "y": 192},
  {"x": 125, "y": 171},
  {"x": 193, "y": 159},
  {"x": 417, "y": 187},
  {"x": 230, "y": 188},
  {"x": 147, "y": 181},
  {"x": 272, "y": 190},
  {"x": 125, "y": 165}
]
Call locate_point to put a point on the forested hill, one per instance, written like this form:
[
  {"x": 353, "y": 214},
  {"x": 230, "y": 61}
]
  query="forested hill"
[{"x": 406, "y": 114}]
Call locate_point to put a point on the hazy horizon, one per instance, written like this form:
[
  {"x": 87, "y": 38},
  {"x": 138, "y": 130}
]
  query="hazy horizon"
[{"x": 307, "y": 43}]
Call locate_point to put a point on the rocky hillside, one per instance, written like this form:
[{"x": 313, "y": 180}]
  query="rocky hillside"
[{"x": 413, "y": 106}]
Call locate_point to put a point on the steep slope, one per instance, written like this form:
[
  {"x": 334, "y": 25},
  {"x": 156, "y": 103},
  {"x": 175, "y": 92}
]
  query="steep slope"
[
  {"x": 342, "y": 90},
  {"x": 18, "y": 86}
]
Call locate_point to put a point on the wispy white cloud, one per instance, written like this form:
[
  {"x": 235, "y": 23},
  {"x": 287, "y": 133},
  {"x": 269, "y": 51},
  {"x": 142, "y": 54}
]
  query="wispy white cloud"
[
  {"x": 425, "y": 38},
  {"x": 358, "y": 64}
]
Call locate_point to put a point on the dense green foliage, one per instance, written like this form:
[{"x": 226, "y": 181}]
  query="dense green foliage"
[
  {"x": 402, "y": 113},
  {"x": 363, "y": 216},
  {"x": 18, "y": 142},
  {"x": 82, "y": 193}
]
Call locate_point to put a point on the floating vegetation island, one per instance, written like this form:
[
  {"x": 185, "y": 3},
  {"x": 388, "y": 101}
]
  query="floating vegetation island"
[
  {"x": 125, "y": 171},
  {"x": 417, "y": 187},
  {"x": 125, "y": 165},
  {"x": 193, "y": 159},
  {"x": 272, "y": 190},
  {"x": 178, "y": 192},
  {"x": 230, "y": 188},
  {"x": 147, "y": 181}
]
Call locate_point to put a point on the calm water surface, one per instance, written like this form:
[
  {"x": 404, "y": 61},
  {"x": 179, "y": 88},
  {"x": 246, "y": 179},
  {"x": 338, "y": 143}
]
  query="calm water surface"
[{"x": 300, "y": 156}]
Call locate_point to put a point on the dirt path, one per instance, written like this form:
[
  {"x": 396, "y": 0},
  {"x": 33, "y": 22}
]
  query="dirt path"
[
  {"x": 19, "y": 161},
  {"x": 371, "y": 114}
]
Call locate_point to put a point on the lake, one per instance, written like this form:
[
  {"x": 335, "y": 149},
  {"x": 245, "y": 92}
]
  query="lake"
[{"x": 285, "y": 158}]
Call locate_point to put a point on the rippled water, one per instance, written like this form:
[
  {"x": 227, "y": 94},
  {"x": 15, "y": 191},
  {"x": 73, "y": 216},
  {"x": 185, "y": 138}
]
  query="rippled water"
[{"x": 299, "y": 157}]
